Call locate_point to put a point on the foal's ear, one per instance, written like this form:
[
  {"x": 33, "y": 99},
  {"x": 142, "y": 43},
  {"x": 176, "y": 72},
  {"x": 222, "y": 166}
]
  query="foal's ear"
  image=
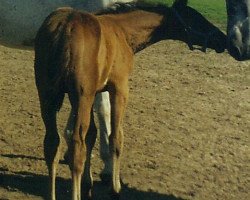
[{"x": 180, "y": 3}]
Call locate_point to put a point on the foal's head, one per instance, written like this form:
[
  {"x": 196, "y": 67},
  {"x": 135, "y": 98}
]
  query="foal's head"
[
  {"x": 179, "y": 22},
  {"x": 238, "y": 28},
  {"x": 190, "y": 26}
]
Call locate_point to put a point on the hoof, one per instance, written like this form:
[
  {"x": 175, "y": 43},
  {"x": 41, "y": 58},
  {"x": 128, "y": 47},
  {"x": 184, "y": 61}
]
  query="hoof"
[
  {"x": 114, "y": 195},
  {"x": 105, "y": 178},
  {"x": 86, "y": 189},
  {"x": 87, "y": 195}
]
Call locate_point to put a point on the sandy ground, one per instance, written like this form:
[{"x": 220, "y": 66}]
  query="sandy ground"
[{"x": 187, "y": 129}]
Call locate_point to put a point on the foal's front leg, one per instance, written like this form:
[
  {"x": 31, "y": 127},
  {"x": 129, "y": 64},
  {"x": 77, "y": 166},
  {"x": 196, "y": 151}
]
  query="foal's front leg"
[
  {"x": 118, "y": 104},
  {"x": 102, "y": 116},
  {"x": 68, "y": 133}
]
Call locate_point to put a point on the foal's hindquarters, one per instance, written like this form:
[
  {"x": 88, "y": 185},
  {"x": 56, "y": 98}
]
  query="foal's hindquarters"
[{"x": 72, "y": 56}]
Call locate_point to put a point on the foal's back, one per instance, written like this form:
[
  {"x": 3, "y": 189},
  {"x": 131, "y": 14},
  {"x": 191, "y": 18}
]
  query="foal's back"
[{"x": 76, "y": 43}]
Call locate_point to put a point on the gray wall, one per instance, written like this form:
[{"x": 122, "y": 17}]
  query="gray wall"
[{"x": 20, "y": 19}]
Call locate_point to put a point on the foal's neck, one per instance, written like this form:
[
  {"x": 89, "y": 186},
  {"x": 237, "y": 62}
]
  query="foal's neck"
[{"x": 139, "y": 28}]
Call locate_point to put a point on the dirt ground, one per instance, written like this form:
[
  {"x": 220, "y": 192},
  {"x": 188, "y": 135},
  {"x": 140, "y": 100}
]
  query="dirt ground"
[{"x": 187, "y": 129}]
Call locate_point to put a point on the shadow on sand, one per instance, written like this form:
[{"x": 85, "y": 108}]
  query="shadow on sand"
[
  {"x": 37, "y": 185},
  {"x": 28, "y": 157}
]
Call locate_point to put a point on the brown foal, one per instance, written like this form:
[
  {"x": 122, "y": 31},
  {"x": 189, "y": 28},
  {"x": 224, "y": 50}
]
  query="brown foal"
[{"x": 82, "y": 54}]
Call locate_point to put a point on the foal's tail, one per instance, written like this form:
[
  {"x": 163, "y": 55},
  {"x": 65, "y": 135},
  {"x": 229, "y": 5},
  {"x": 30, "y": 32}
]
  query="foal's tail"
[{"x": 52, "y": 56}]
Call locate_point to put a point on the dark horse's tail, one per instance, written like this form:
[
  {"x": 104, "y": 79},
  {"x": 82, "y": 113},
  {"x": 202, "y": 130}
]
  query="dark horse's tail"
[{"x": 52, "y": 56}]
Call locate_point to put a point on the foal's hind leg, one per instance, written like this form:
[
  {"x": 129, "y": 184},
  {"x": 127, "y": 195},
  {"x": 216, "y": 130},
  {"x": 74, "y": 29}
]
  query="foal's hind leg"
[
  {"x": 49, "y": 105},
  {"x": 90, "y": 142},
  {"x": 78, "y": 149},
  {"x": 87, "y": 182}
]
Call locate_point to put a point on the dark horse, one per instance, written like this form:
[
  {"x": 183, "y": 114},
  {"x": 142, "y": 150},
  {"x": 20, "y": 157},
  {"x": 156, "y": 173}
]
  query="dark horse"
[
  {"x": 238, "y": 28},
  {"x": 82, "y": 54}
]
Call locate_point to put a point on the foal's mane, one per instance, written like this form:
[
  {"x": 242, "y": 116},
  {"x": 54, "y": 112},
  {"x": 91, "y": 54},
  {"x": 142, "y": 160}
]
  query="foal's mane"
[{"x": 121, "y": 7}]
